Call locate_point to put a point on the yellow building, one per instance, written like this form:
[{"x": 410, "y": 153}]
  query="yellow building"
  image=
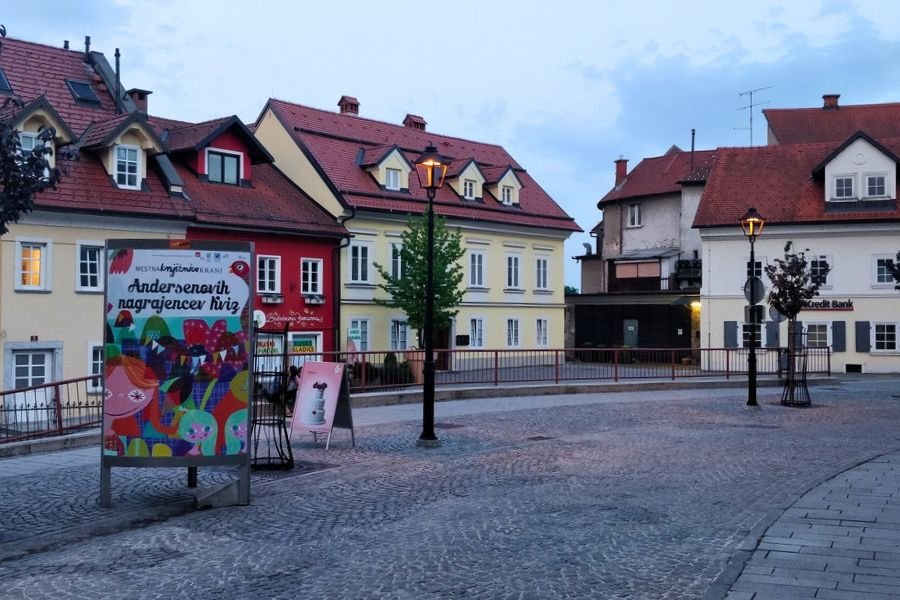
[{"x": 512, "y": 230}]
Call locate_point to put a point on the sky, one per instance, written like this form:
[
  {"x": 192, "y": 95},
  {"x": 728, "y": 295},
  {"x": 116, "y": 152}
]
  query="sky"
[{"x": 567, "y": 87}]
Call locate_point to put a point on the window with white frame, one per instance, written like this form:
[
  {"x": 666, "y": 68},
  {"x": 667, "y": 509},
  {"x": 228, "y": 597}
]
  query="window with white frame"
[
  {"x": 634, "y": 215},
  {"x": 476, "y": 333},
  {"x": 397, "y": 260},
  {"x": 819, "y": 269},
  {"x": 843, "y": 187},
  {"x": 27, "y": 141},
  {"x": 223, "y": 167},
  {"x": 884, "y": 337},
  {"x": 392, "y": 179},
  {"x": 31, "y": 367},
  {"x": 268, "y": 274},
  {"x": 311, "y": 276},
  {"x": 541, "y": 265},
  {"x": 512, "y": 271},
  {"x": 876, "y": 186},
  {"x": 506, "y": 194},
  {"x": 89, "y": 271},
  {"x": 541, "y": 336},
  {"x": 32, "y": 265},
  {"x": 362, "y": 326},
  {"x": 817, "y": 335},
  {"x": 755, "y": 269},
  {"x": 469, "y": 189},
  {"x": 360, "y": 267},
  {"x": 512, "y": 333},
  {"x": 128, "y": 167},
  {"x": 399, "y": 334},
  {"x": 747, "y": 329},
  {"x": 476, "y": 269},
  {"x": 95, "y": 367},
  {"x": 883, "y": 266}
]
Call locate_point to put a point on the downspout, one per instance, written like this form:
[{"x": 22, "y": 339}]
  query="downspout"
[{"x": 336, "y": 279}]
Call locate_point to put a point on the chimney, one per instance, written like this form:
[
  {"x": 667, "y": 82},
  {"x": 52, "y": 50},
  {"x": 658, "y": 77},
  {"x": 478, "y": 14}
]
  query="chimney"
[
  {"x": 139, "y": 97},
  {"x": 414, "y": 122},
  {"x": 831, "y": 101},
  {"x": 87, "y": 49},
  {"x": 349, "y": 105},
  {"x": 621, "y": 170},
  {"x": 65, "y": 44}
]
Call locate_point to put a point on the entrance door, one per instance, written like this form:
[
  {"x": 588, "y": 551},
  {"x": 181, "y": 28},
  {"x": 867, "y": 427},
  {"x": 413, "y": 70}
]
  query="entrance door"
[{"x": 630, "y": 332}]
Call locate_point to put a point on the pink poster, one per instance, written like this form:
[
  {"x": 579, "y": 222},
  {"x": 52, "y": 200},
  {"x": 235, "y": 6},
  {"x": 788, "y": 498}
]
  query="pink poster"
[{"x": 317, "y": 396}]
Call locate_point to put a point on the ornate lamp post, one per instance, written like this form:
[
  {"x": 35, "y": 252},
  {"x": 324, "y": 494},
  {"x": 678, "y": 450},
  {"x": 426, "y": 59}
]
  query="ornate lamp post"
[
  {"x": 431, "y": 168},
  {"x": 752, "y": 224}
]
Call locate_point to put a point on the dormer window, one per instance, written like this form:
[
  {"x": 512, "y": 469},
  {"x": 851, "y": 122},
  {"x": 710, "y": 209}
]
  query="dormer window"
[
  {"x": 223, "y": 168},
  {"x": 27, "y": 141},
  {"x": 876, "y": 186},
  {"x": 507, "y": 194},
  {"x": 392, "y": 179},
  {"x": 843, "y": 187},
  {"x": 128, "y": 167},
  {"x": 469, "y": 189}
]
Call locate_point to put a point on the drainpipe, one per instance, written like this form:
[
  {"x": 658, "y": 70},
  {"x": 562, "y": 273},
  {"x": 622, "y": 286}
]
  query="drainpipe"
[{"x": 336, "y": 279}]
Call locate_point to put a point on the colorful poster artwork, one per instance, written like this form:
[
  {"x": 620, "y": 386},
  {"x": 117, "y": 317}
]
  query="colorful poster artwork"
[
  {"x": 317, "y": 396},
  {"x": 176, "y": 352}
]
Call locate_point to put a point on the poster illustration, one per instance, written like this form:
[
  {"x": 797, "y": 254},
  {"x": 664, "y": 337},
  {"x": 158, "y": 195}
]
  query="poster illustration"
[
  {"x": 317, "y": 396},
  {"x": 176, "y": 349}
]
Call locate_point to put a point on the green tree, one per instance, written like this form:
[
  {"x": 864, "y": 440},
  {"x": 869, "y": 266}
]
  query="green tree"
[
  {"x": 407, "y": 290},
  {"x": 894, "y": 267},
  {"x": 571, "y": 290},
  {"x": 793, "y": 286}
]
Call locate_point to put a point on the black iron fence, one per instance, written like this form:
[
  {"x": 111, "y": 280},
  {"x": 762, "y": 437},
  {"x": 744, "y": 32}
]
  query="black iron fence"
[{"x": 51, "y": 409}]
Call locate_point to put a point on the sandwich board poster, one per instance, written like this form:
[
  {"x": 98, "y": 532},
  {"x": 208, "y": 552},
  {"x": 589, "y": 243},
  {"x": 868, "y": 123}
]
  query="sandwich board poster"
[
  {"x": 176, "y": 353},
  {"x": 317, "y": 396}
]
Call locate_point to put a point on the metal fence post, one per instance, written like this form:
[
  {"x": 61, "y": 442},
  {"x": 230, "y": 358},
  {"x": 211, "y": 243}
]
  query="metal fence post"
[{"x": 57, "y": 406}]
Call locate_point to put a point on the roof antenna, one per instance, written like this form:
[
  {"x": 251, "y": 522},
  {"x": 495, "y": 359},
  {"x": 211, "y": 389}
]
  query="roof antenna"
[
  {"x": 750, "y": 106},
  {"x": 118, "y": 85},
  {"x": 693, "y": 135}
]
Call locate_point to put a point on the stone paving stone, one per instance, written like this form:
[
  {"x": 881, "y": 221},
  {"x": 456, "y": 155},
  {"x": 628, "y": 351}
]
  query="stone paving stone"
[
  {"x": 773, "y": 590},
  {"x": 854, "y": 595}
]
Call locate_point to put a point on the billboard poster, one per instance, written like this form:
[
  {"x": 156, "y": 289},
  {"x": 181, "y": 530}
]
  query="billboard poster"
[
  {"x": 317, "y": 396},
  {"x": 177, "y": 350}
]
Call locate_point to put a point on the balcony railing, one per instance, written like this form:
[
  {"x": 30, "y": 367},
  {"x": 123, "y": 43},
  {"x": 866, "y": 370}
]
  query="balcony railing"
[{"x": 51, "y": 409}]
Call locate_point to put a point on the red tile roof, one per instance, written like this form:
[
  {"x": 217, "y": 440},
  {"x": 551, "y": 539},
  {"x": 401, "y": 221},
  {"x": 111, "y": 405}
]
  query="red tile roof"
[
  {"x": 778, "y": 181},
  {"x": 662, "y": 175},
  {"x": 334, "y": 140},
  {"x": 811, "y": 125}
]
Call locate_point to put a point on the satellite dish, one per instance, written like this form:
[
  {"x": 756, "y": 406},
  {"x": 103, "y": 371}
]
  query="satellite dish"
[
  {"x": 259, "y": 318},
  {"x": 776, "y": 316}
]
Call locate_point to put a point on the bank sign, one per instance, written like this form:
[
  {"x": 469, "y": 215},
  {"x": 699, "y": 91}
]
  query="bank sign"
[{"x": 826, "y": 304}]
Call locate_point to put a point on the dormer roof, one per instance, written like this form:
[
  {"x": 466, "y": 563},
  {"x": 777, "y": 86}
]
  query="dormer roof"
[
  {"x": 105, "y": 133},
  {"x": 17, "y": 116},
  {"x": 373, "y": 156},
  {"x": 819, "y": 169},
  {"x": 198, "y": 136}
]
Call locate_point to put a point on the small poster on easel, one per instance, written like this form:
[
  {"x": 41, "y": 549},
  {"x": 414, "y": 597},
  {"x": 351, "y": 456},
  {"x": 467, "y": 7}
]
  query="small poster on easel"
[{"x": 323, "y": 400}]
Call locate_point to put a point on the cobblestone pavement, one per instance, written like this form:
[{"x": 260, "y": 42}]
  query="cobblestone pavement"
[{"x": 625, "y": 495}]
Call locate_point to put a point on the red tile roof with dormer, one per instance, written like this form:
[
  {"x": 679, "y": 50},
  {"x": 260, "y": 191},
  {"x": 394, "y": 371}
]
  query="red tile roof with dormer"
[
  {"x": 34, "y": 70},
  {"x": 334, "y": 140},
  {"x": 812, "y": 125},
  {"x": 661, "y": 175},
  {"x": 778, "y": 181}
]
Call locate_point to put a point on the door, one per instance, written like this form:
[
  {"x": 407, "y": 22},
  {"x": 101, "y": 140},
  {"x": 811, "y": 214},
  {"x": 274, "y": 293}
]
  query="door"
[
  {"x": 32, "y": 368},
  {"x": 630, "y": 333}
]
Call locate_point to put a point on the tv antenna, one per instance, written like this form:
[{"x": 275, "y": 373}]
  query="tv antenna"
[{"x": 750, "y": 106}]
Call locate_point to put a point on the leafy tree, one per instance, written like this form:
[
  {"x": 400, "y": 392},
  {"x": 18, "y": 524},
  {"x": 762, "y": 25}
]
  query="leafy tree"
[
  {"x": 407, "y": 291},
  {"x": 22, "y": 175},
  {"x": 793, "y": 286},
  {"x": 571, "y": 290},
  {"x": 894, "y": 268}
]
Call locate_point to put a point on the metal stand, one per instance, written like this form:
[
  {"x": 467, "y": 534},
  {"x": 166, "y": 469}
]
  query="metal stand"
[
  {"x": 270, "y": 442},
  {"x": 796, "y": 392}
]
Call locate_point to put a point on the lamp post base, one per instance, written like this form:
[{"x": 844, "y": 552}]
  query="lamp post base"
[{"x": 428, "y": 443}]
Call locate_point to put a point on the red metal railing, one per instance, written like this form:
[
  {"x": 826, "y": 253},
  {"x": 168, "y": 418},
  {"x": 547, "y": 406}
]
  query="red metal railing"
[{"x": 51, "y": 409}]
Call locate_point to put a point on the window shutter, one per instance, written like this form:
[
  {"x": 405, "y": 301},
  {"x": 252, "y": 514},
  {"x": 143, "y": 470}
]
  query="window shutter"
[
  {"x": 839, "y": 336},
  {"x": 772, "y": 334},
  {"x": 798, "y": 335},
  {"x": 863, "y": 343},
  {"x": 731, "y": 331}
]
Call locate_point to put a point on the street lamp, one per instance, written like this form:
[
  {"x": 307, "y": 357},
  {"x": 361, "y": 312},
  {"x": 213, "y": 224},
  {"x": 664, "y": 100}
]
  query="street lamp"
[
  {"x": 431, "y": 168},
  {"x": 752, "y": 224}
]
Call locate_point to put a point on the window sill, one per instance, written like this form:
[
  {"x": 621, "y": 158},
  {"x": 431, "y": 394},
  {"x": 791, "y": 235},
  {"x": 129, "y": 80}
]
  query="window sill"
[
  {"x": 478, "y": 288},
  {"x": 33, "y": 290},
  {"x": 513, "y": 290},
  {"x": 88, "y": 291},
  {"x": 634, "y": 226},
  {"x": 884, "y": 352},
  {"x": 359, "y": 285},
  {"x": 543, "y": 292}
]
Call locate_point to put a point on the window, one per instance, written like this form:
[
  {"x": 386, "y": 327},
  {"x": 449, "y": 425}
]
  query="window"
[
  {"x": 541, "y": 273},
  {"x": 359, "y": 262},
  {"x": 396, "y": 261},
  {"x": 843, "y": 187},
  {"x": 361, "y": 327},
  {"x": 89, "y": 272},
  {"x": 476, "y": 333},
  {"x": 32, "y": 265},
  {"x": 754, "y": 270},
  {"x": 476, "y": 269},
  {"x": 268, "y": 274},
  {"x": 82, "y": 91},
  {"x": 127, "y": 167},
  {"x": 634, "y": 215},
  {"x": 512, "y": 271},
  {"x": 223, "y": 168},
  {"x": 506, "y": 193},
  {"x": 541, "y": 333},
  {"x": 31, "y": 368},
  {"x": 885, "y": 337},
  {"x": 512, "y": 333},
  {"x": 399, "y": 334},
  {"x": 819, "y": 267},
  {"x": 27, "y": 141},
  {"x": 817, "y": 335},
  {"x": 747, "y": 330},
  {"x": 875, "y": 186},
  {"x": 392, "y": 179},
  {"x": 95, "y": 367},
  {"x": 883, "y": 270},
  {"x": 4, "y": 82},
  {"x": 310, "y": 276},
  {"x": 469, "y": 189}
]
